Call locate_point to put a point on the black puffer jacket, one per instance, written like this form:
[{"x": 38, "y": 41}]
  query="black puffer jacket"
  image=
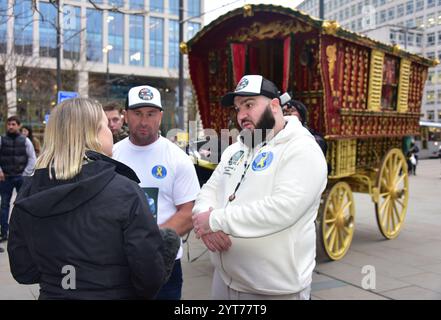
[{"x": 99, "y": 224}]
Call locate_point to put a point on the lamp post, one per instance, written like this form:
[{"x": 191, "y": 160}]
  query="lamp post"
[{"x": 106, "y": 50}]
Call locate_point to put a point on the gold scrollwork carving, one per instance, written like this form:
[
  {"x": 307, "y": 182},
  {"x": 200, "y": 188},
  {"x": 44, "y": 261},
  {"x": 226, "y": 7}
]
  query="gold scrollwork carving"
[
  {"x": 260, "y": 31},
  {"x": 330, "y": 27},
  {"x": 331, "y": 54}
]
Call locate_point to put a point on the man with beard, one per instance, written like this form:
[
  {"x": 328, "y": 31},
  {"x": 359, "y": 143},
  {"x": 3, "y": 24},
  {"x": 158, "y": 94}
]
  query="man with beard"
[
  {"x": 17, "y": 159},
  {"x": 256, "y": 213}
]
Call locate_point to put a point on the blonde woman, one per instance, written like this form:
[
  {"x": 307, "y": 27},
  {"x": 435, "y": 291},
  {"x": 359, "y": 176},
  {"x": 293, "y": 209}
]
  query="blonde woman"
[{"x": 80, "y": 228}]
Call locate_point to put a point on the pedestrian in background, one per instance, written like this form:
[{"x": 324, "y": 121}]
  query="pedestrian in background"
[
  {"x": 27, "y": 132},
  {"x": 257, "y": 211},
  {"x": 115, "y": 118},
  {"x": 167, "y": 174},
  {"x": 17, "y": 159},
  {"x": 298, "y": 109},
  {"x": 81, "y": 217}
]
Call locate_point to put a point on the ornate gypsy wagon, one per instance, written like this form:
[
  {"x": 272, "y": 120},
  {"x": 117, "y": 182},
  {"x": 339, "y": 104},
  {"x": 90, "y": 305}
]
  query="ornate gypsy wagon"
[{"x": 363, "y": 96}]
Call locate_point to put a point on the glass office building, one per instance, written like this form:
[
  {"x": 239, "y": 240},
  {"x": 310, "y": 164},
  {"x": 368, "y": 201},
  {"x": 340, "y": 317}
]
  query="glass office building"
[{"x": 106, "y": 46}]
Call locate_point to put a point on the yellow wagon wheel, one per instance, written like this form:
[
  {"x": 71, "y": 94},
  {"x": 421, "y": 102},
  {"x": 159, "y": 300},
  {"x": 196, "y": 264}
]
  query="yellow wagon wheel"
[
  {"x": 393, "y": 193},
  {"x": 337, "y": 221}
]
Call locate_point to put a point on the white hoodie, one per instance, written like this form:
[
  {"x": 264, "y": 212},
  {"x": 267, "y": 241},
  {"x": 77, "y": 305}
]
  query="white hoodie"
[{"x": 271, "y": 219}]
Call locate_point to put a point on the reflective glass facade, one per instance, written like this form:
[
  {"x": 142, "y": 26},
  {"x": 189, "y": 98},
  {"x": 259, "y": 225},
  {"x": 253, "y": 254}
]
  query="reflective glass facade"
[
  {"x": 3, "y": 26},
  {"x": 156, "y": 42},
  {"x": 173, "y": 44},
  {"x": 157, "y": 5},
  {"x": 194, "y": 8},
  {"x": 136, "y": 40},
  {"x": 192, "y": 29},
  {"x": 72, "y": 32},
  {"x": 116, "y": 37},
  {"x": 48, "y": 30},
  {"x": 173, "y": 7},
  {"x": 136, "y": 4},
  {"x": 23, "y": 27},
  {"x": 94, "y": 35}
]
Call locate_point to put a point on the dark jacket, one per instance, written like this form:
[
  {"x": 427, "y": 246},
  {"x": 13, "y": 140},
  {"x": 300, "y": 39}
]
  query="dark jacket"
[
  {"x": 13, "y": 156},
  {"x": 99, "y": 223}
]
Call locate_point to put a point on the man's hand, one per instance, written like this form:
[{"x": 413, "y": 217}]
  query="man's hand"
[
  {"x": 2, "y": 176},
  {"x": 201, "y": 223},
  {"x": 217, "y": 241}
]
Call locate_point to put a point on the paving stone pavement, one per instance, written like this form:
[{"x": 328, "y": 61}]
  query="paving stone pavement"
[{"x": 408, "y": 267}]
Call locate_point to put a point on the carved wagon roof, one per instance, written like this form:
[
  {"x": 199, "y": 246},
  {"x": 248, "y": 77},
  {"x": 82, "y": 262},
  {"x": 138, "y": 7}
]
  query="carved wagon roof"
[{"x": 213, "y": 31}]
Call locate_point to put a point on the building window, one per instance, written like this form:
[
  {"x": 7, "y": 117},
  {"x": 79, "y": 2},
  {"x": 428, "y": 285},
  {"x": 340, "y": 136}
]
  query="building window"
[
  {"x": 157, "y": 42},
  {"x": 438, "y": 99},
  {"x": 439, "y": 37},
  {"x": 410, "y": 23},
  {"x": 400, "y": 10},
  {"x": 410, "y": 39},
  {"x": 116, "y": 3},
  {"x": 194, "y": 8},
  {"x": 193, "y": 28},
  {"x": 94, "y": 35},
  {"x": 382, "y": 16},
  {"x": 391, "y": 13},
  {"x": 48, "y": 31},
  {"x": 419, "y": 22},
  {"x": 419, "y": 5},
  {"x": 72, "y": 32},
  {"x": 136, "y": 40},
  {"x": 116, "y": 37},
  {"x": 359, "y": 8},
  {"x": 431, "y": 115},
  {"x": 3, "y": 25},
  {"x": 173, "y": 44},
  {"x": 430, "y": 3},
  {"x": 430, "y": 77},
  {"x": 431, "y": 39},
  {"x": 430, "y": 55},
  {"x": 419, "y": 40},
  {"x": 173, "y": 7},
  {"x": 439, "y": 115},
  {"x": 157, "y": 5},
  {"x": 409, "y": 7},
  {"x": 136, "y": 4},
  {"x": 431, "y": 19},
  {"x": 430, "y": 97},
  {"x": 23, "y": 27},
  {"x": 382, "y": 2},
  {"x": 392, "y": 37}
]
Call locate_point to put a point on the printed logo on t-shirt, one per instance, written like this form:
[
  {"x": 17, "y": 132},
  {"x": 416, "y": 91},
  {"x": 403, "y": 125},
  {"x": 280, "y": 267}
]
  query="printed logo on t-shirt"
[
  {"x": 262, "y": 161},
  {"x": 159, "y": 172},
  {"x": 152, "y": 200}
]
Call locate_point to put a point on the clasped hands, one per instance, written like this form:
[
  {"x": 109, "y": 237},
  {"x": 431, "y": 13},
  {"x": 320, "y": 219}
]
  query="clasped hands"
[{"x": 214, "y": 241}]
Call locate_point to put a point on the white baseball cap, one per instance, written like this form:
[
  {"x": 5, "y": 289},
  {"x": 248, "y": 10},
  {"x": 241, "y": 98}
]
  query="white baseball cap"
[
  {"x": 143, "y": 96},
  {"x": 251, "y": 85}
]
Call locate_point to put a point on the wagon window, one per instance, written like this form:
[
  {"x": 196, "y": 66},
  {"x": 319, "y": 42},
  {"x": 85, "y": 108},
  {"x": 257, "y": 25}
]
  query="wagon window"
[{"x": 390, "y": 83}]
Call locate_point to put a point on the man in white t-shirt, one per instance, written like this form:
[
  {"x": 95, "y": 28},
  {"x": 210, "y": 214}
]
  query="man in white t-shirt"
[{"x": 167, "y": 174}]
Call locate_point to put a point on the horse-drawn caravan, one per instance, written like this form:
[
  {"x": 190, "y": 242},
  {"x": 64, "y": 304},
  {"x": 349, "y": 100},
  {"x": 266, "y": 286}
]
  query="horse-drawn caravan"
[{"x": 363, "y": 96}]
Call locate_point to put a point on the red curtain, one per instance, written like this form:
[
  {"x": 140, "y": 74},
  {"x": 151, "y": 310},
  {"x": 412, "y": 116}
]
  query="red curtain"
[
  {"x": 286, "y": 62},
  {"x": 238, "y": 51},
  {"x": 253, "y": 60}
]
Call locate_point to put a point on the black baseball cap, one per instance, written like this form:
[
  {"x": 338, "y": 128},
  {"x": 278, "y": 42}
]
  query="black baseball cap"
[{"x": 251, "y": 85}]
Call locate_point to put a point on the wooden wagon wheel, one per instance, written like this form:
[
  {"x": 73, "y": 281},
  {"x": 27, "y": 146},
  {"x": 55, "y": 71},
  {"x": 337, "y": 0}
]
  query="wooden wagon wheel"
[
  {"x": 337, "y": 221},
  {"x": 393, "y": 193}
]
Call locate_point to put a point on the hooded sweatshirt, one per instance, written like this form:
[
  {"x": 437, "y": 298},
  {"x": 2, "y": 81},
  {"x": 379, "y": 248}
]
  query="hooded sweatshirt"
[
  {"x": 90, "y": 237},
  {"x": 271, "y": 219}
]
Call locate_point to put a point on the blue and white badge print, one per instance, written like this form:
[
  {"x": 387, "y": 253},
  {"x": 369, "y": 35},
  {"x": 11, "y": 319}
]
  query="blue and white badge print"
[
  {"x": 159, "y": 172},
  {"x": 262, "y": 161}
]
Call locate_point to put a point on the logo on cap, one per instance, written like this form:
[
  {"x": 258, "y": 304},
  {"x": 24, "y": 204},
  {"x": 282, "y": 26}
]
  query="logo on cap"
[
  {"x": 242, "y": 84},
  {"x": 145, "y": 94}
]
